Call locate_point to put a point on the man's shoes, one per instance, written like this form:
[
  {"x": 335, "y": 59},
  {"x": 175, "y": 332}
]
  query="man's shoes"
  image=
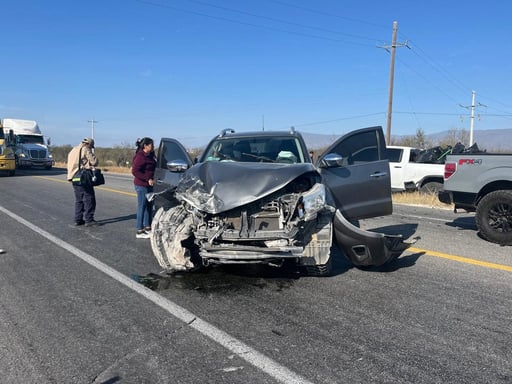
[
  {"x": 91, "y": 223},
  {"x": 142, "y": 234},
  {"x": 79, "y": 222},
  {"x": 147, "y": 230}
]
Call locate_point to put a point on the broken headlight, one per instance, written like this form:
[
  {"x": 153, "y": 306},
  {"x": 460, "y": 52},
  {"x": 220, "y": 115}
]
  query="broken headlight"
[{"x": 313, "y": 201}]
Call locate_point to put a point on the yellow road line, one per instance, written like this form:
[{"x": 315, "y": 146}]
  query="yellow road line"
[
  {"x": 459, "y": 259},
  {"x": 462, "y": 259},
  {"x": 102, "y": 188}
]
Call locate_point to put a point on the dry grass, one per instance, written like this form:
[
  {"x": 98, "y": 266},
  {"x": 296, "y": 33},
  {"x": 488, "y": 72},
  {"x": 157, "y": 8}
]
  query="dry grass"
[
  {"x": 416, "y": 198},
  {"x": 412, "y": 198}
]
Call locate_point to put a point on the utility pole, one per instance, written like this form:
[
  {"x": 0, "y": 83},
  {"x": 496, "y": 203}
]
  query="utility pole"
[
  {"x": 392, "y": 50},
  {"x": 472, "y": 115},
  {"x": 92, "y": 127},
  {"x": 472, "y": 121},
  {"x": 391, "y": 81}
]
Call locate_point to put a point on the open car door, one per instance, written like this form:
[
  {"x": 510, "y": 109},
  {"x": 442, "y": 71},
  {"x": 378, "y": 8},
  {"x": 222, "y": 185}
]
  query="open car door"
[
  {"x": 355, "y": 169},
  {"x": 359, "y": 178}
]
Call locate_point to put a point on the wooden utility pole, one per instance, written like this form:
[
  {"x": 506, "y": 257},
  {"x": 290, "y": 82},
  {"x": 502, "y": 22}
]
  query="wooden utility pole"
[
  {"x": 392, "y": 50},
  {"x": 391, "y": 80}
]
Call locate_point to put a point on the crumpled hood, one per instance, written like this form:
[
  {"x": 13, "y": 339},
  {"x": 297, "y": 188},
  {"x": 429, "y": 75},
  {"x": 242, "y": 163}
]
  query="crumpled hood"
[{"x": 216, "y": 187}]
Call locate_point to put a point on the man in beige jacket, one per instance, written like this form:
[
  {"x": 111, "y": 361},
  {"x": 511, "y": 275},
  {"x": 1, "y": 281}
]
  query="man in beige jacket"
[{"x": 82, "y": 156}]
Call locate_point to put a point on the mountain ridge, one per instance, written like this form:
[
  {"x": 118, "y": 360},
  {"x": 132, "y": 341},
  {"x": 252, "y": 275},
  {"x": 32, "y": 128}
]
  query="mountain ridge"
[{"x": 491, "y": 140}]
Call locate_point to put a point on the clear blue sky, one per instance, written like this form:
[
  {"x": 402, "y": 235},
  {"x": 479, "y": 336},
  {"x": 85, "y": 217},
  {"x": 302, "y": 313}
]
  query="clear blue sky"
[{"x": 187, "y": 69}]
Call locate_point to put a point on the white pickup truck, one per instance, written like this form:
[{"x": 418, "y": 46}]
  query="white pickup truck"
[{"x": 407, "y": 174}]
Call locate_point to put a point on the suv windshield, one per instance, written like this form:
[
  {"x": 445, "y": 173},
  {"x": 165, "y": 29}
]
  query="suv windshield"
[{"x": 272, "y": 149}]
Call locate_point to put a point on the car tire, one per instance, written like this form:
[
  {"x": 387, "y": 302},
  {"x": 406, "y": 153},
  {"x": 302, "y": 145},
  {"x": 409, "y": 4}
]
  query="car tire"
[
  {"x": 494, "y": 217},
  {"x": 170, "y": 232},
  {"x": 431, "y": 188}
]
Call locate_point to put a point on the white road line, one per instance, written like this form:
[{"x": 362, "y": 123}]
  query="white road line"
[{"x": 242, "y": 350}]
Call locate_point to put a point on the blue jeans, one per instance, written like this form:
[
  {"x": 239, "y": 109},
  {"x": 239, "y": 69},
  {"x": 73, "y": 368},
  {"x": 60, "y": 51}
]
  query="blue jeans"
[{"x": 144, "y": 207}]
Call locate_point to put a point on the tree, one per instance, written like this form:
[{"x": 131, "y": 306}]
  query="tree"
[
  {"x": 454, "y": 136},
  {"x": 417, "y": 141}
]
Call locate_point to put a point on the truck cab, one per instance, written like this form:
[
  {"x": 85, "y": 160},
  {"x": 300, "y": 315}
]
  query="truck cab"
[
  {"x": 30, "y": 149},
  {"x": 410, "y": 173}
]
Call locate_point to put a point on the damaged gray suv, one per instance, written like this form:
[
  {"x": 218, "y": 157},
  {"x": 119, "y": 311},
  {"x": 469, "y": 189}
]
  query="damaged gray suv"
[{"x": 257, "y": 197}]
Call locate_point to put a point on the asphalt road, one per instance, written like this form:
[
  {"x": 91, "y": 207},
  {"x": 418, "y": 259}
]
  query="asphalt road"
[{"x": 89, "y": 305}]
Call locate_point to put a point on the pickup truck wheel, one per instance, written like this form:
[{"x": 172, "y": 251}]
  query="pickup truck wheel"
[
  {"x": 431, "y": 188},
  {"x": 494, "y": 217}
]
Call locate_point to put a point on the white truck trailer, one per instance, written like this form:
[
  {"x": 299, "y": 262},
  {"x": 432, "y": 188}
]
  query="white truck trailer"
[{"x": 29, "y": 145}]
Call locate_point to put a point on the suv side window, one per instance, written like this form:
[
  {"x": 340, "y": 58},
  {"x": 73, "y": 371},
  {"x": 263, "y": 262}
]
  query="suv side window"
[
  {"x": 169, "y": 151},
  {"x": 360, "y": 148}
]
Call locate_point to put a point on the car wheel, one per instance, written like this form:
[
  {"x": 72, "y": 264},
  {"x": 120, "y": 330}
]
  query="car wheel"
[
  {"x": 431, "y": 188},
  {"x": 170, "y": 232},
  {"x": 494, "y": 217}
]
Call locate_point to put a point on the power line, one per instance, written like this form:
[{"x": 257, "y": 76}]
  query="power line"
[
  {"x": 281, "y": 20},
  {"x": 439, "y": 69},
  {"x": 327, "y": 14},
  {"x": 155, "y": 4},
  {"x": 417, "y": 50},
  {"x": 338, "y": 119}
]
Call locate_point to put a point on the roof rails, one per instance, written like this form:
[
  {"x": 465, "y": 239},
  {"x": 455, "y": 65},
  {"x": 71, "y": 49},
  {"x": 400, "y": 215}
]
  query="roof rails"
[{"x": 225, "y": 131}]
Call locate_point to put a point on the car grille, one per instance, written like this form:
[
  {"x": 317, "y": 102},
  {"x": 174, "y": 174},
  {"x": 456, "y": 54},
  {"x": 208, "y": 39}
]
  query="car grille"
[{"x": 38, "y": 153}]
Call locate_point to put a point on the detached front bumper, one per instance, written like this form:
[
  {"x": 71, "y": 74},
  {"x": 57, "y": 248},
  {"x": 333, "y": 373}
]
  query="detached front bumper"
[{"x": 365, "y": 248}]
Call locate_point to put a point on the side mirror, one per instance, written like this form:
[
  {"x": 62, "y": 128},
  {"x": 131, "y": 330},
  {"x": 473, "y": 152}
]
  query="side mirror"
[
  {"x": 177, "y": 165},
  {"x": 48, "y": 141},
  {"x": 331, "y": 160}
]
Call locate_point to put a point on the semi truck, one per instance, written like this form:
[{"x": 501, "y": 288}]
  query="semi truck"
[{"x": 30, "y": 148}]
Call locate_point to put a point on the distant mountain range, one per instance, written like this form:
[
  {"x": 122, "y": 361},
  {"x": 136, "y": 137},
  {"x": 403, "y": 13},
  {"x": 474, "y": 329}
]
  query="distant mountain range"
[{"x": 492, "y": 140}]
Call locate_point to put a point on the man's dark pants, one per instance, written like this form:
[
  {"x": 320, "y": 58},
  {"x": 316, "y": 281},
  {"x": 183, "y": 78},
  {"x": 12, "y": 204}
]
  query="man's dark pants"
[{"x": 85, "y": 203}]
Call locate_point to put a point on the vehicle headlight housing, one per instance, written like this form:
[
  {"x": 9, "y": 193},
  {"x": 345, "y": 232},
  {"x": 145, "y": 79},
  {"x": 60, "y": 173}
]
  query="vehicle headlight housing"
[{"x": 313, "y": 201}]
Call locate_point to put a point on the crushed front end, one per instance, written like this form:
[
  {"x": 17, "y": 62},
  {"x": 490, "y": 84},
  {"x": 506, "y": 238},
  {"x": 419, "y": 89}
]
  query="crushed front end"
[{"x": 288, "y": 219}]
